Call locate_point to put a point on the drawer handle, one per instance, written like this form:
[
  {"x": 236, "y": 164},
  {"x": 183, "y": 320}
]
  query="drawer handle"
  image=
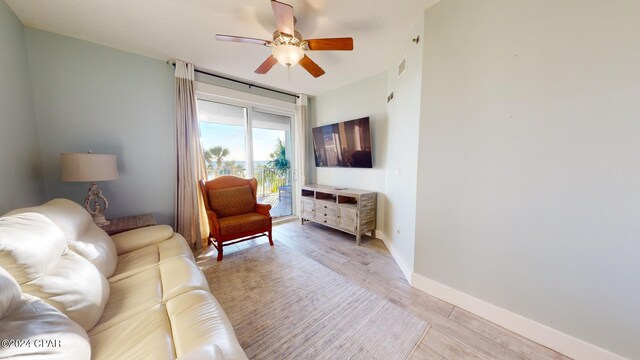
[
  {"x": 325, "y": 221},
  {"x": 325, "y": 206}
]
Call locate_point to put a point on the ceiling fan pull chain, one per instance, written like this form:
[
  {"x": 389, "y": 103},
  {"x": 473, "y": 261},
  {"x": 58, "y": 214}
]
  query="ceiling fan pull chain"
[{"x": 289, "y": 72}]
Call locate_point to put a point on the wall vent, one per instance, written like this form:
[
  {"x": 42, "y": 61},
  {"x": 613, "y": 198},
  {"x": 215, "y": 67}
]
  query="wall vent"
[{"x": 402, "y": 67}]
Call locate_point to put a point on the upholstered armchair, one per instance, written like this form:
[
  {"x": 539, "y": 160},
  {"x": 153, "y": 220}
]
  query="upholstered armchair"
[{"x": 233, "y": 211}]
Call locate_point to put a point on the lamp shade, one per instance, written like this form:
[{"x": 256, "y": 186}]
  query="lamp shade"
[{"x": 88, "y": 167}]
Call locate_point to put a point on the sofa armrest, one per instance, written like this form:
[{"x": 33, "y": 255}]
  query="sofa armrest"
[
  {"x": 209, "y": 352},
  {"x": 136, "y": 239},
  {"x": 263, "y": 209}
]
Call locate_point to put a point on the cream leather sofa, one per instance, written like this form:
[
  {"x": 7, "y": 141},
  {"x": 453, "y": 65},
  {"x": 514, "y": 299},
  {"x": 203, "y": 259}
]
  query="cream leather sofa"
[{"x": 69, "y": 291}]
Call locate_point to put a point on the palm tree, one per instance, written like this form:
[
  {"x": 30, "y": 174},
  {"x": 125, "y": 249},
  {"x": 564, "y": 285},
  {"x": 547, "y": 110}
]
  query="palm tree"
[
  {"x": 217, "y": 153},
  {"x": 279, "y": 162},
  {"x": 234, "y": 168}
]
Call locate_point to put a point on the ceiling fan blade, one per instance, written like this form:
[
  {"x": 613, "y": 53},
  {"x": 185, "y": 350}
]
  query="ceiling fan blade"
[
  {"x": 311, "y": 67},
  {"x": 241, "y": 39},
  {"x": 266, "y": 65},
  {"x": 331, "y": 44},
  {"x": 284, "y": 17}
]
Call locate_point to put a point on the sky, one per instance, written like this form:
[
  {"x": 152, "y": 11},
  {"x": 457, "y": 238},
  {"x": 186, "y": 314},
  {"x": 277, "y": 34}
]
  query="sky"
[{"x": 233, "y": 138}]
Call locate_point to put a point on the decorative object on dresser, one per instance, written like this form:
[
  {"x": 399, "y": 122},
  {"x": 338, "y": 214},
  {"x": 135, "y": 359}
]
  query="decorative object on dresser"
[
  {"x": 127, "y": 223},
  {"x": 232, "y": 210},
  {"x": 349, "y": 210},
  {"x": 91, "y": 167}
]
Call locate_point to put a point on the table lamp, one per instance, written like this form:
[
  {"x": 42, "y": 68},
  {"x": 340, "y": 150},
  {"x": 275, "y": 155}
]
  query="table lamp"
[{"x": 91, "y": 168}]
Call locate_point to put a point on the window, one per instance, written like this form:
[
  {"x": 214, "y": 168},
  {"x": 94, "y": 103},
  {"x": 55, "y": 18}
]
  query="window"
[{"x": 250, "y": 142}]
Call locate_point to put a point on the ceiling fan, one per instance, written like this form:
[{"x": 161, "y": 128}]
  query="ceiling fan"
[{"x": 288, "y": 45}]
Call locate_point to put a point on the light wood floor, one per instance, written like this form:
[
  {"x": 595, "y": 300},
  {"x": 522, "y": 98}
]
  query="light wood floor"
[{"x": 453, "y": 333}]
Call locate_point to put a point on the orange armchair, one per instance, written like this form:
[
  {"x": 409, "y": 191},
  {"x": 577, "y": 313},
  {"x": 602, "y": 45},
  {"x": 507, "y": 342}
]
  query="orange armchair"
[{"x": 233, "y": 211}]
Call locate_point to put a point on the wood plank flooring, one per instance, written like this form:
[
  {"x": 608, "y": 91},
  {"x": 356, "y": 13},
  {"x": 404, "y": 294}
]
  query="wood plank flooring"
[{"x": 453, "y": 333}]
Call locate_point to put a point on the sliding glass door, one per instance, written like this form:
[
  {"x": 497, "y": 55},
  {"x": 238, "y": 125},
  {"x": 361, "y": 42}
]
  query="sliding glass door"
[
  {"x": 272, "y": 150},
  {"x": 250, "y": 142}
]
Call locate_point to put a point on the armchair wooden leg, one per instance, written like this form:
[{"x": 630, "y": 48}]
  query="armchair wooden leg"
[
  {"x": 271, "y": 237},
  {"x": 219, "y": 250}
]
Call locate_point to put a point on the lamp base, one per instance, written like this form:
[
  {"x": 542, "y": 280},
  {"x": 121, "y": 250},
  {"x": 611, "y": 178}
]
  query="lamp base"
[
  {"x": 95, "y": 195},
  {"x": 100, "y": 220}
]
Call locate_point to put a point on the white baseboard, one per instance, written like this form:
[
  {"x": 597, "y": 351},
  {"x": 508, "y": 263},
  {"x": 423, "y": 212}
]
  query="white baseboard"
[
  {"x": 542, "y": 334},
  {"x": 532, "y": 330},
  {"x": 396, "y": 256}
]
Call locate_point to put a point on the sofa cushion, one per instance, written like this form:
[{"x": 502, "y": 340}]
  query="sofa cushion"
[
  {"x": 83, "y": 236},
  {"x": 47, "y": 333},
  {"x": 30, "y": 245},
  {"x": 136, "y": 239},
  {"x": 129, "y": 297},
  {"x": 198, "y": 320},
  {"x": 75, "y": 287},
  {"x": 29, "y": 319},
  {"x": 146, "y": 335},
  {"x": 232, "y": 201},
  {"x": 10, "y": 295},
  {"x": 33, "y": 250},
  {"x": 150, "y": 287},
  {"x": 135, "y": 261},
  {"x": 251, "y": 222}
]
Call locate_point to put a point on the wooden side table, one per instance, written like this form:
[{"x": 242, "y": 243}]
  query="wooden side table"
[{"x": 127, "y": 223}]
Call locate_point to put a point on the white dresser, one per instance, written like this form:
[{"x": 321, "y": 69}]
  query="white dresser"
[{"x": 349, "y": 210}]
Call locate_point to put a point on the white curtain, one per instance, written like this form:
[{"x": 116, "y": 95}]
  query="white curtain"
[
  {"x": 190, "y": 162},
  {"x": 302, "y": 120}
]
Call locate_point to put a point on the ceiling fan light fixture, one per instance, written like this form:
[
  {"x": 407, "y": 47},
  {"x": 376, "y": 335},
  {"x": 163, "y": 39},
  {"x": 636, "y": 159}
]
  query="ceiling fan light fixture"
[{"x": 288, "y": 55}]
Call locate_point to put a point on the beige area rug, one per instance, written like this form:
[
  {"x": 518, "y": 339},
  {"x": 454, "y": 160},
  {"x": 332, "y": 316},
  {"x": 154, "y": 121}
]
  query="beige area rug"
[{"x": 284, "y": 305}]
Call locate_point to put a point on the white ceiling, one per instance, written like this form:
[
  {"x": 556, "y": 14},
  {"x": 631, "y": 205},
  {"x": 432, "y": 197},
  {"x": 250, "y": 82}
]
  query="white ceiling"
[{"x": 185, "y": 29}]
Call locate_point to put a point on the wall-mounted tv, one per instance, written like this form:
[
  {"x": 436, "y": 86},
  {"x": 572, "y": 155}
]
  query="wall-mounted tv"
[{"x": 344, "y": 144}]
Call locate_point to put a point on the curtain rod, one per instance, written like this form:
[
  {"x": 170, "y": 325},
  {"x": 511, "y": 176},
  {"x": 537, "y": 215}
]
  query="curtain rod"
[{"x": 250, "y": 85}]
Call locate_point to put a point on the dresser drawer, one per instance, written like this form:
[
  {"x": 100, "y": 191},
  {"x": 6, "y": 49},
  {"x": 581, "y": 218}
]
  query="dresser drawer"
[
  {"x": 326, "y": 206},
  {"x": 327, "y": 214},
  {"x": 327, "y": 220}
]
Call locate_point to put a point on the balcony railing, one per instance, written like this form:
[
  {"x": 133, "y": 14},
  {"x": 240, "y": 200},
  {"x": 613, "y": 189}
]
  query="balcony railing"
[{"x": 269, "y": 181}]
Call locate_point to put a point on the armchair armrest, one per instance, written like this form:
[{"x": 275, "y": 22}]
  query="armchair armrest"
[
  {"x": 139, "y": 238},
  {"x": 213, "y": 222},
  {"x": 263, "y": 209}
]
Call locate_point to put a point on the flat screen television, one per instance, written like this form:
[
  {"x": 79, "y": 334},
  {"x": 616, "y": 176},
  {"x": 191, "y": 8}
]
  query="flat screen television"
[{"x": 344, "y": 144}]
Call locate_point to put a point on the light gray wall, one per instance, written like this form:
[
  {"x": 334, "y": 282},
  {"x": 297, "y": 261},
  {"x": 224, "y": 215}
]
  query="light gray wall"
[
  {"x": 395, "y": 132},
  {"x": 91, "y": 97},
  {"x": 402, "y": 149},
  {"x": 21, "y": 182},
  {"x": 529, "y": 166},
  {"x": 363, "y": 98}
]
